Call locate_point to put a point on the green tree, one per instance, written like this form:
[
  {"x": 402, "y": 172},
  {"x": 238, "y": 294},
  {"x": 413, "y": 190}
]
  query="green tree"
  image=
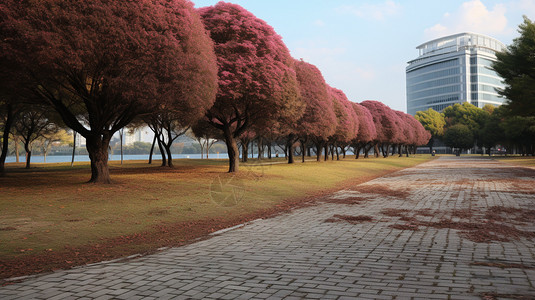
[
  {"x": 516, "y": 65},
  {"x": 433, "y": 122},
  {"x": 520, "y": 133},
  {"x": 467, "y": 114},
  {"x": 459, "y": 136},
  {"x": 492, "y": 131}
]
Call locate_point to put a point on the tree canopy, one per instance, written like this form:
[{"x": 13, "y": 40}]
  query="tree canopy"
[
  {"x": 459, "y": 136},
  {"x": 102, "y": 63},
  {"x": 252, "y": 60},
  {"x": 516, "y": 65}
]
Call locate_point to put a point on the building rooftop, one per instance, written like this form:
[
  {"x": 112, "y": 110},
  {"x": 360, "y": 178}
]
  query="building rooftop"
[{"x": 459, "y": 41}]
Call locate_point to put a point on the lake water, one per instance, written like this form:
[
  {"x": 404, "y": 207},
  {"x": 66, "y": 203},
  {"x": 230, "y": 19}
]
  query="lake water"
[{"x": 67, "y": 158}]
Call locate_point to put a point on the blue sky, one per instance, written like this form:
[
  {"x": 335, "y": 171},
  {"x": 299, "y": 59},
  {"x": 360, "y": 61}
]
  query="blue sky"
[{"x": 362, "y": 47}]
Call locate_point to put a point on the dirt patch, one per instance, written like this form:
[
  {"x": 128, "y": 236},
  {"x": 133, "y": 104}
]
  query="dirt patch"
[
  {"x": 395, "y": 212},
  {"x": 349, "y": 200},
  {"x": 501, "y": 213},
  {"x": 9, "y": 228},
  {"x": 462, "y": 213},
  {"x": 483, "y": 227},
  {"x": 349, "y": 219},
  {"x": 382, "y": 190}
]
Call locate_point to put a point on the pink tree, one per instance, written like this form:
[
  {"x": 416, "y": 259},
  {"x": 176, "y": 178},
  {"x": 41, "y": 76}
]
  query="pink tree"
[
  {"x": 319, "y": 120},
  {"x": 366, "y": 133},
  {"x": 347, "y": 124},
  {"x": 420, "y": 137},
  {"x": 253, "y": 62},
  {"x": 386, "y": 124},
  {"x": 408, "y": 135},
  {"x": 100, "y": 63}
]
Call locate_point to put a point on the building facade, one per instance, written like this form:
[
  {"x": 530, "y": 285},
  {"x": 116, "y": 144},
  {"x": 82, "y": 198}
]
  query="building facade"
[{"x": 454, "y": 69}]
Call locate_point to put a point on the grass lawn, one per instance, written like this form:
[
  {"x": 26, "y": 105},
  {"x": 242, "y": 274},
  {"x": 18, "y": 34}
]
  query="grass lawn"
[
  {"x": 49, "y": 218},
  {"x": 524, "y": 161}
]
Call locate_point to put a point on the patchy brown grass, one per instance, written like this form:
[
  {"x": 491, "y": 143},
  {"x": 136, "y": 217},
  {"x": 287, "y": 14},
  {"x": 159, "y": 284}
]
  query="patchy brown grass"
[{"x": 350, "y": 219}]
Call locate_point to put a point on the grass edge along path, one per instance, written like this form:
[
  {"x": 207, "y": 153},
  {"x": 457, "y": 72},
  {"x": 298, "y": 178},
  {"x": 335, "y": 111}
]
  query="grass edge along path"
[{"x": 275, "y": 188}]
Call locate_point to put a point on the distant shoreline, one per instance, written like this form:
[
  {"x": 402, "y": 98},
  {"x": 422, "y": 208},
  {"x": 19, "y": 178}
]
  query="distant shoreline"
[{"x": 115, "y": 157}]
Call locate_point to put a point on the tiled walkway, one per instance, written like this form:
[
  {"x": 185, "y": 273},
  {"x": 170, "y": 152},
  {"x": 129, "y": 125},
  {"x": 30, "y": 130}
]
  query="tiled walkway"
[{"x": 458, "y": 228}]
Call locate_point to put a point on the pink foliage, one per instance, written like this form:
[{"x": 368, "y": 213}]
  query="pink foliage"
[
  {"x": 408, "y": 134},
  {"x": 252, "y": 60},
  {"x": 102, "y": 63},
  {"x": 366, "y": 131},
  {"x": 385, "y": 120},
  {"x": 347, "y": 120},
  {"x": 319, "y": 119},
  {"x": 117, "y": 58}
]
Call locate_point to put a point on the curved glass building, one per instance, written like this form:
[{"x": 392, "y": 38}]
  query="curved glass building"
[{"x": 454, "y": 69}]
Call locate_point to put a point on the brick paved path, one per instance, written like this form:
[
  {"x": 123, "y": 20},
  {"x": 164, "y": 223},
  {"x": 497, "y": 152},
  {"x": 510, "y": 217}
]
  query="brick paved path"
[{"x": 456, "y": 251}]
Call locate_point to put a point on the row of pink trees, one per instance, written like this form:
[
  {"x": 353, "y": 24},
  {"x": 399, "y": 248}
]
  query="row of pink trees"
[
  {"x": 266, "y": 95},
  {"x": 102, "y": 65}
]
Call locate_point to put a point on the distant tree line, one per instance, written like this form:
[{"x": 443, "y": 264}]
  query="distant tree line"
[
  {"x": 511, "y": 125},
  {"x": 97, "y": 67}
]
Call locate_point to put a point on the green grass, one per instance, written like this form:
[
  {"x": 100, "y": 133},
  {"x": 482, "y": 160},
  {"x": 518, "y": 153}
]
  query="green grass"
[
  {"x": 524, "y": 161},
  {"x": 49, "y": 207}
]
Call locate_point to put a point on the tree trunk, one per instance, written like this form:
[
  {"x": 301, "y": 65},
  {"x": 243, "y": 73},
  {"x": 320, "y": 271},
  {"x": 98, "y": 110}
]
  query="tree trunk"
[
  {"x": 121, "y": 136},
  {"x": 169, "y": 156},
  {"x": 344, "y": 152},
  {"x": 386, "y": 149},
  {"x": 97, "y": 147},
  {"x": 356, "y": 149},
  {"x": 232, "y": 150},
  {"x": 162, "y": 151},
  {"x": 28, "y": 153},
  {"x": 337, "y": 153},
  {"x": 152, "y": 149},
  {"x": 319, "y": 147},
  {"x": 17, "y": 155},
  {"x": 74, "y": 133},
  {"x": 303, "y": 146},
  {"x": 326, "y": 152},
  {"x": 5, "y": 139},
  {"x": 269, "y": 151},
  {"x": 376, "y": 150},
  {"x": 244, "y": 150},
  {"x": 260, "y": 145},
  {"x": 290, "y": 147},
  {"x": 367, "y": 149}
]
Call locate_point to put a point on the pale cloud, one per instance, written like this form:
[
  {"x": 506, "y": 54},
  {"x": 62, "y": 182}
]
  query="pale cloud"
[
  {"x": 525, "y": 7},
  {"x": 472, "y": 16},
  {"x": 319, "y": 23},
  {"x": 378, "y": 12}
]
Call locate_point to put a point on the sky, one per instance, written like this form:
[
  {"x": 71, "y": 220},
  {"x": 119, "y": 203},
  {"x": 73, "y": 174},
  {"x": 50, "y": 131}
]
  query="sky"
[{"x": 362, "y": 47}]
